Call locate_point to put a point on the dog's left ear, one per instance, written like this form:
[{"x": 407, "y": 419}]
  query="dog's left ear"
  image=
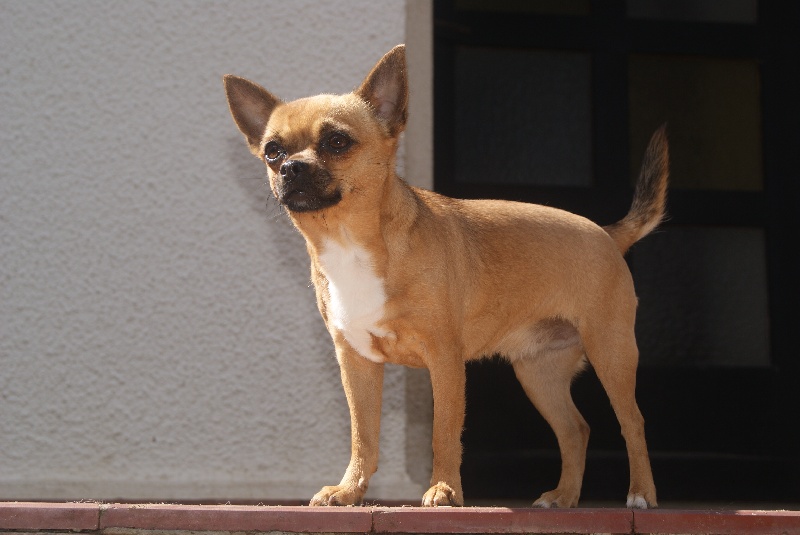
[{"x": 386, "y": 89}]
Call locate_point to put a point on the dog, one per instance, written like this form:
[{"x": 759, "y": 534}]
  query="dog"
[{"x": 406, "y": 276}]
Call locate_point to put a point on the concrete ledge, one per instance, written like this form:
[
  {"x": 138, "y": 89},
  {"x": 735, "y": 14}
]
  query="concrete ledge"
[
  {"x": 293, "y": 519},
  {"x": 49, "y": 516},
  {"x": 113, "y": 519},
  {"x": 501, "y": 520},
  {"x": 718, "y": 522}
]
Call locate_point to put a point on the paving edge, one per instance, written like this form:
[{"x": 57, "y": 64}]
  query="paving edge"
[{"x": 98, "y": 518}]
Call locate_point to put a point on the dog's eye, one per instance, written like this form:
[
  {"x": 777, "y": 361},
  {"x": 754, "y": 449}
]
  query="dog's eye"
[
  {"x": 273, "y": 152},
  {"x": 337, "y": 143}
]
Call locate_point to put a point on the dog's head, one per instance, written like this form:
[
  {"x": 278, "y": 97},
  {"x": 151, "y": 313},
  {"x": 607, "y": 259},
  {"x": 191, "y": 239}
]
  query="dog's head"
[{"x": 322, "y": 151}]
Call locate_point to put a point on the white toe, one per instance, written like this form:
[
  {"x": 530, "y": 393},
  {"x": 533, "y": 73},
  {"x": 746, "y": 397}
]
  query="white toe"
[{"x": 636, "y": 501}]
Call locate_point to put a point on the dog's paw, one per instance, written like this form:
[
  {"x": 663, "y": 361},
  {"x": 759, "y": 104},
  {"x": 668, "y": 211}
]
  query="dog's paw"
[
  {"x": 440, "y": 495},
  {"x": 338, "y": 495},
  {"x": 557, "y": 499},
  {"x": 637, "y": 500}
]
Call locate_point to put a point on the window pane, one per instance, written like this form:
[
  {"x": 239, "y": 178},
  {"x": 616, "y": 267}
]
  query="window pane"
[
  {"x": 522, "y": 117},
  {"x": 702, "y": 297},
  {"x": 730, "y": 11},
  {"x": 712, "y": 107}
]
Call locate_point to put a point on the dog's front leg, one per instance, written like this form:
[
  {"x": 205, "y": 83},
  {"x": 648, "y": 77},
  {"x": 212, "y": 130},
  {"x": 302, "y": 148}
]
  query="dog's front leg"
[
  {"x": 448, "y": 378},
  {"x": 363, "y": 383}
]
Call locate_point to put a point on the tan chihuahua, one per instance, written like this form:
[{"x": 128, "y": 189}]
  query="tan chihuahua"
[{"x": 406, "y": 276}]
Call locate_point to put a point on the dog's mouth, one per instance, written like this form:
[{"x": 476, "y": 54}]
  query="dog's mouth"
[{"x": 304, "y": 200}]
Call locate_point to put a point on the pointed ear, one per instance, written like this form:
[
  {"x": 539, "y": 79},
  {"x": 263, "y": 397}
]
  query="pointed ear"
[
  {"x": 251, "y": 105},
  {"x": 386, "y": 89}
]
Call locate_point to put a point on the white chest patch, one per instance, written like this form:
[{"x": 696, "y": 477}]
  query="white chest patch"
[{"x": 357, "y": 296}]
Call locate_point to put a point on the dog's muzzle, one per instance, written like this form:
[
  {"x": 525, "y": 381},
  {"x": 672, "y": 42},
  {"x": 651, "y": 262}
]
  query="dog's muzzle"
[{"x": 306, "y": 187}]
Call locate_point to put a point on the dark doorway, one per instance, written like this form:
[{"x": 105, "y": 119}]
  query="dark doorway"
[{"x": 554, "y": 102}]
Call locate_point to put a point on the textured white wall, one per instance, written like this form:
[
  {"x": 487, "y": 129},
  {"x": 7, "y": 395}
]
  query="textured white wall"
[{"x": 159, "y": 338}]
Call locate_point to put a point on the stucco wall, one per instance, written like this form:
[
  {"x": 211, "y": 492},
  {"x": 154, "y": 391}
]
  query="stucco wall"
[{"x": 159, "y": 337}]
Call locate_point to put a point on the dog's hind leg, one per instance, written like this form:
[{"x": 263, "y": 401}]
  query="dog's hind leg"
[
  {"x": 546, "y": 378},
  {"x": 614, "y": 356}
]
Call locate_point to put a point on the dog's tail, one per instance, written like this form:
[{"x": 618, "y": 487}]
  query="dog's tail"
[{"x": 649, "y": 198}]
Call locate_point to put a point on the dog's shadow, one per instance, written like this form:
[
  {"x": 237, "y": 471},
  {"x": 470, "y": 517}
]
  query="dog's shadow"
[
  {"x": 251, "y": 176},
  {"x": 289, "y": 263}
]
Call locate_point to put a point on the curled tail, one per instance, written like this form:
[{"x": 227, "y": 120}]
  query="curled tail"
[{"x": 649, "y": 198}]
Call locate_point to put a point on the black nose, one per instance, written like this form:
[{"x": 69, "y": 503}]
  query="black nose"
[{"x": 291, "y": 169}]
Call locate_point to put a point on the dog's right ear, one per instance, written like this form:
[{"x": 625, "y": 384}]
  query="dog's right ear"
[
  {"x": 386, "y": 89},
  {"x": 251, "y": 105}
]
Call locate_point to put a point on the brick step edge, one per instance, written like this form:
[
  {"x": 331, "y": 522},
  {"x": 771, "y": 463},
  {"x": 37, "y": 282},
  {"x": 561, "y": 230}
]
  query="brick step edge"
[{"x": 31, "y": 517}]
